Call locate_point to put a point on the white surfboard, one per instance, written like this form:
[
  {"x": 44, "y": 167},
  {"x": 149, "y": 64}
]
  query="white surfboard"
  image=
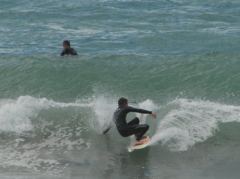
[{"x": 133, "y": 147}]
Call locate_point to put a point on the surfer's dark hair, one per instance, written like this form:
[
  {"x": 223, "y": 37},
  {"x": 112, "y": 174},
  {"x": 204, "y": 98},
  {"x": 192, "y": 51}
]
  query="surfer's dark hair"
[
  {"x": 67, "y": 42},
  {"x": 122, "y": 101}
]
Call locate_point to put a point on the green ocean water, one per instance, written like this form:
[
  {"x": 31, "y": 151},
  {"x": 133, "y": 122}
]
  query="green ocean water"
[
  {"x": 162, "y": 78},
  {"x": 179, "y": 58}
]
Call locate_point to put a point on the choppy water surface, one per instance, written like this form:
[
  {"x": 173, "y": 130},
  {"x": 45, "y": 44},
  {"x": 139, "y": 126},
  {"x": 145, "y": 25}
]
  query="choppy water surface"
[{"x": 178, "y": 58}]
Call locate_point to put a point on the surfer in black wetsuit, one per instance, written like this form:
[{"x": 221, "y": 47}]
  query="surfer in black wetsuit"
[
  {"x": 133, "y": 127},
  {"x": 67, "y": 50}
]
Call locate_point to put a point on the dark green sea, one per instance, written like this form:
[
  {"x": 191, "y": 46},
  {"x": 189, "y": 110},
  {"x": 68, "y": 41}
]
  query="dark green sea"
[{"x": 180, "y": 58}]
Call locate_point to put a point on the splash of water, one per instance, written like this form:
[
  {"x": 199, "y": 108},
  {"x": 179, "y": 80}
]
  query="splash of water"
[
  {"x": 16, "y": 115},
  {"x": 192, "y": 121}
]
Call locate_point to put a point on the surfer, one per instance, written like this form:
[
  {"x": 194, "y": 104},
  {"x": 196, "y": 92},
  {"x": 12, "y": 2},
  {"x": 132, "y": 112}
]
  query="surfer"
[
  {"x": 67, "y": 50},
  {"x": 133, "y": 127}
]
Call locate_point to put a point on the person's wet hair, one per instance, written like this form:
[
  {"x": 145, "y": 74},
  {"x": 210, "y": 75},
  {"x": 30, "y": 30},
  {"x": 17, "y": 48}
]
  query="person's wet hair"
[
  {"x": 66, "y": 42},
  {"x": 122, "y": 101}
]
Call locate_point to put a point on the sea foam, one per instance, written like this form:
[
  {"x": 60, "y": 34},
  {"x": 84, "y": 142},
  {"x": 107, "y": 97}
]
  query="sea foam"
[
  {"x": 192, "y": 121},
  {"x": 16, "y": 115}
]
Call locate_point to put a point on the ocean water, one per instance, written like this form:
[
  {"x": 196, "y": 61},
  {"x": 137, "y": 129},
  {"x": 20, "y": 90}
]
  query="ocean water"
[{"x": 180, "y": 58}]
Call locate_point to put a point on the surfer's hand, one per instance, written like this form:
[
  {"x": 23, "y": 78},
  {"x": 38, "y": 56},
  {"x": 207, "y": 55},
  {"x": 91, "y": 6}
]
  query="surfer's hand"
[
  {"x": 154, "y": 115},
  {"x": 106, "y": 130}
]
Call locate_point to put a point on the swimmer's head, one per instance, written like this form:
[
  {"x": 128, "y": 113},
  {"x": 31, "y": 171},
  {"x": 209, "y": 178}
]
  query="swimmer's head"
[
  {"x": 122, "y": 102},
  {"x": 66, "y": 44}
]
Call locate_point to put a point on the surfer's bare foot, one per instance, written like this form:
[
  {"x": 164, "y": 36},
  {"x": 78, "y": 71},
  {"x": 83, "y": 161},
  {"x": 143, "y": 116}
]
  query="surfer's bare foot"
[
  {"x": 144, "y": 137},
  {"x": 140, "y": 142}
]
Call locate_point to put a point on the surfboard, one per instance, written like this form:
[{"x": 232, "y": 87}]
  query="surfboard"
[{"x": 133, "y": 147}]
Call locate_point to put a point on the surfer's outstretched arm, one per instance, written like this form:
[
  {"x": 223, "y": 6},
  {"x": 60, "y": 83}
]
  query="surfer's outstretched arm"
[{"x": 142, "y": 111}]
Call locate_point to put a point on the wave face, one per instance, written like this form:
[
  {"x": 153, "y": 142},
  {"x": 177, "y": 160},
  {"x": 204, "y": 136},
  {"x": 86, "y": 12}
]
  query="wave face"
[
  {"x": 210, "y": 76},
  {"x": 62, "y": 104},
  {"x": 30, "y": 126}
]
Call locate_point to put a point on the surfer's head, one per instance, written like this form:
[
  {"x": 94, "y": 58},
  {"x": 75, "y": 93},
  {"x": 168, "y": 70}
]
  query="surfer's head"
[
  {"x": 66, "y": 44},
  {"x": 122, "y": 102}
]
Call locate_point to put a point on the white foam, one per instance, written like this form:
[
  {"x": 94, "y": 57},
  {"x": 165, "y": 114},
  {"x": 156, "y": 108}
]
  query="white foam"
[
  {"x": 78, "y": 31},
  {"x": 22, "y": 153},
  {"x": 26, "y": 159},
  {"x": 187, "y": 122},
  {"x": 16, "y": 115},
  {"x": 191, "y": 121},
  {"x": 221, "y": 30},
  {"x": 103, "y": 108}
]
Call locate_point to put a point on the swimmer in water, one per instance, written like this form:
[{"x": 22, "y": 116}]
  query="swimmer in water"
[{"x": 67, "y": 50}]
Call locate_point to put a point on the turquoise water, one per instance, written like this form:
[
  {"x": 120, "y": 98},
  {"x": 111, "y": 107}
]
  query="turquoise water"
[{"x": 179, "y": 58}]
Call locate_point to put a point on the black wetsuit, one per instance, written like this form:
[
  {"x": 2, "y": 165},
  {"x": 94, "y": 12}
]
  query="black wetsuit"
[
  {"x": 68, "y": 51},
  {"x": 133, "y": 127}
]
